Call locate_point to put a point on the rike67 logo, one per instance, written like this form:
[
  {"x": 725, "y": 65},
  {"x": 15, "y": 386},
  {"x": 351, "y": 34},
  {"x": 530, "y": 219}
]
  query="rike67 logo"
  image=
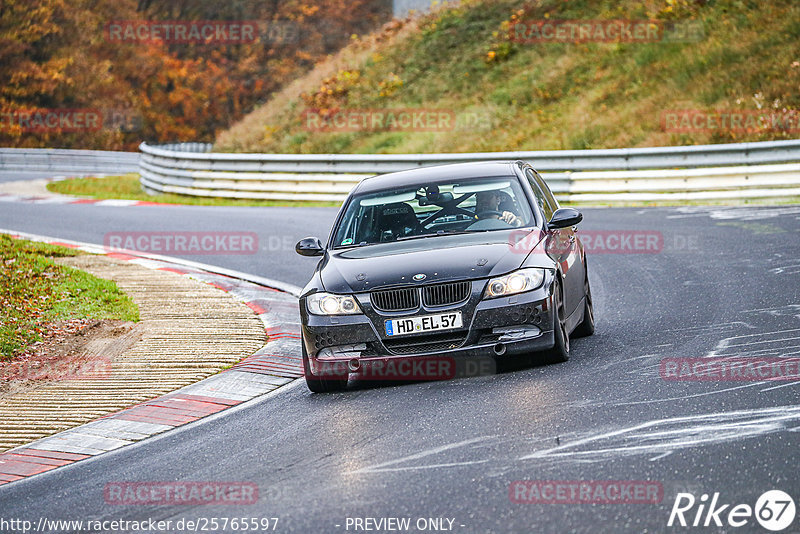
[{"x": 774, "y": 510}]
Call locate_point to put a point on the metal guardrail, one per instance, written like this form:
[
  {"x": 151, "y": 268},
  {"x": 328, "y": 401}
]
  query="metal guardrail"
[
  {"x": 706, "y": 171},
  {"x": 68, "y": 161},
  {"x": 756, "y": 181},
  {"x": 546, "y": 160}
]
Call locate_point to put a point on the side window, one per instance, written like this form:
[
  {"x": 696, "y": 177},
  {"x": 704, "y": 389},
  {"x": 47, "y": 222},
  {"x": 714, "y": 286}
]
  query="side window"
[
  {"x": 548, "y": 195},
  {"x": 545, "y": 205}
]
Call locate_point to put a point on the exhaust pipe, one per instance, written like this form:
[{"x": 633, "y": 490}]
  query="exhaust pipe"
[
  {"x": 500, "y": 349},
  {"x": 354, "y": 365}
]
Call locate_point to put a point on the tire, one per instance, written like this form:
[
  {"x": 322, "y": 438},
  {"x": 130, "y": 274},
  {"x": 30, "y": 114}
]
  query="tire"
[
  {"x": 319, "y": 384},
  {"x": 586, "y": 328},
  {"x": 560, "y": 351}
]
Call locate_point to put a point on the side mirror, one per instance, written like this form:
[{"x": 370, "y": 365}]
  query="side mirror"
[
  {"x": 310, "y": 246},
  {"x": 564, "y": 217}
]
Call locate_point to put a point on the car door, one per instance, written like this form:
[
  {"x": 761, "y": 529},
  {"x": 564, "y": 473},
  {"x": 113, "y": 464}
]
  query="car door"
[{"x": 564, "y": 244}]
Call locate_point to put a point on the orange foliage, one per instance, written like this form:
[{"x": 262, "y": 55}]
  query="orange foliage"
[{"x": 56, "y": 54}]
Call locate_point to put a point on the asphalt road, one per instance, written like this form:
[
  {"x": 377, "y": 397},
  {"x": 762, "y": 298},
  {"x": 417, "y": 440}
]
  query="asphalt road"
[
  {"x": 725, "y": 283},
  {"x": 277, "y": 229}
]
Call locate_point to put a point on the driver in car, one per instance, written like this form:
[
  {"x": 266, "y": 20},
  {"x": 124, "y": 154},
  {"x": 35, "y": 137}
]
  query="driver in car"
[{"x": 487, "y": 206}]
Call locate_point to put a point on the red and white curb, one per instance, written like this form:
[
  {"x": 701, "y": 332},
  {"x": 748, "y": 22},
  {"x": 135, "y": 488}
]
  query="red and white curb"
[
  {"x": 66, "y": 199},
  {"x": 274, "y": 365},
  {"x": 57, "y": 198}
]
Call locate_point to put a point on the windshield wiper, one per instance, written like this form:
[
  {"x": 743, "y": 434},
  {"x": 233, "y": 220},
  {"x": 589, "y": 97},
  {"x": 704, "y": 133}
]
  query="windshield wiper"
[
  {"x": 437, "y": 234},
  {"x": 354, "y": 245}
]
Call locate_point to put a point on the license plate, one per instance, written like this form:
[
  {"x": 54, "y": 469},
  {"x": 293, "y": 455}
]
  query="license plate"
[{"x": 426, "y": 323}]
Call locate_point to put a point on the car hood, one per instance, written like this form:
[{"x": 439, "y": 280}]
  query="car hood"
[{"x": 440, "y": 259}]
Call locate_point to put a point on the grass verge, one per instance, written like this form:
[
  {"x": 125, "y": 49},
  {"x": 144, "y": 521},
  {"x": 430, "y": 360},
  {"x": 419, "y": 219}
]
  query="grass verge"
[
  {"x": 35, "y": 291},
  {"x": 127, "y": 187}
]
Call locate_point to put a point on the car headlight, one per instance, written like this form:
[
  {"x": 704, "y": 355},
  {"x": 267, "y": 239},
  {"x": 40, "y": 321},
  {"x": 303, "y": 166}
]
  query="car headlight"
[
  {"x": 516, "y": 282},
  {"x": 327, "y": 304}
]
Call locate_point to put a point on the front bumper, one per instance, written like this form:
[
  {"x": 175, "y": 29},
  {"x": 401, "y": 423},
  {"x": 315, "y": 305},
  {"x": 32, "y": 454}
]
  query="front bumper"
[{"x": 506, "y": 326}]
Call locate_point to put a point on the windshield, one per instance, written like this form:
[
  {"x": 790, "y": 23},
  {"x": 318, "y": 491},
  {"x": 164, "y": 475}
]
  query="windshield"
[{"x": 432, "y": 209}]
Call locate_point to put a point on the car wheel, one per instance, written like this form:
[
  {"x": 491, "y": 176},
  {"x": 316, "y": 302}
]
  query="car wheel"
[
  {"x": 319, "y": 384},
  {"x": 560, "y": 351},
  {"x": 586, "y": 328}
]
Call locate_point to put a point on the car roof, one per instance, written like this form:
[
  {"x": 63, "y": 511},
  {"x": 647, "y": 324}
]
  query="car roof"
[{"x": 436, "y": 174}]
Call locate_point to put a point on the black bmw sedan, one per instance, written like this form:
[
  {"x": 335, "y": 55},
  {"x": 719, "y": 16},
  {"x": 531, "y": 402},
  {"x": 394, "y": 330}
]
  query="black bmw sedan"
[{"x": 454, "y": 261}]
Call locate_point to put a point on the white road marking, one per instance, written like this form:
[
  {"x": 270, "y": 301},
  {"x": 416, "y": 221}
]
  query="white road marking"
[
  {"x": 667, "y": 435},
  {"x": 684, "y": 397},
  {"x": 781, "y": 386},
  {"x": 734, "y": 212},
  {"x": 416, "y": 467},
  {"x": 423, "y": 454},
  {"x": 780, "y": 335}
]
